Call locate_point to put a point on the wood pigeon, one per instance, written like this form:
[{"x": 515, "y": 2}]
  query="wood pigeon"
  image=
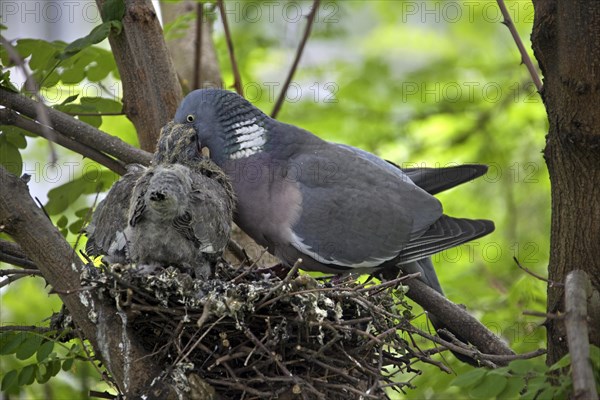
[
  {"x": 339, "y": 208},
  {"x": 177, "y": 212}
]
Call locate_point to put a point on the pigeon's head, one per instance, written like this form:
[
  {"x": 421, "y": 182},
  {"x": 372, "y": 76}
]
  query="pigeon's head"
[
  {"x": 225, "y": 122},
  {"x": 169, "y": 189}
]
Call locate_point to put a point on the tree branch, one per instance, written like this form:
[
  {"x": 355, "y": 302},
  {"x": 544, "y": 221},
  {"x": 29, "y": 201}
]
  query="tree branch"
[
  {"x": 456, "y": 319},
  {"x": 11, "y": 253},
  {"x": 10, "y": 117},
  {"x": 577, "y": 291},
  {"x": 237, "y": 78},
  {"x": 108, "y": 332},
  {"x": 288, "y": 80},
  {"x": 77, "y": 130},
  {"x": 524, "y": 56}
]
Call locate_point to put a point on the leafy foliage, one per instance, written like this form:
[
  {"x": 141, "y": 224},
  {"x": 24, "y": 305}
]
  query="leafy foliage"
[
  {"x": 49, "y": 359},
  {"x": 525, "y": 379}
]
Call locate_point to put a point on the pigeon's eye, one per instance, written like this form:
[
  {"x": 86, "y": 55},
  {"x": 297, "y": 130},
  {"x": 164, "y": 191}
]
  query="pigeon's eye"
[{"x": 190, "y": 118}]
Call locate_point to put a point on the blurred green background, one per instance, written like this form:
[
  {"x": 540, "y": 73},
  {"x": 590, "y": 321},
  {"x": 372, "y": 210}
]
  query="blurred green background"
[{"x": 430, "y": 83}]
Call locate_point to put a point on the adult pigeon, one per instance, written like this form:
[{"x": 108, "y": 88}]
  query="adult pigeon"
[
  {"x": 337, "y": 207},
  {"x": 177, "y": 212}
]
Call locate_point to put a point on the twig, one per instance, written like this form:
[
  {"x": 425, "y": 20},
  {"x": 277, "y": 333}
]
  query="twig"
[
  {"x": 285, "y": 281},
  {"x": 541, "y": 278},
  {"x": 288, "y": 80},
  {"x": 18, "y": 260},
  {"x": 198, "y": 47},
  {"x": 10, "y": 117},
  {"x": 4, "y": 272},
  {"x": 33, "y": 88},
  {"x": 237, "y": 79},
  {"x": 238, "y": 251},
  {"x": 95, "y": 114},
  {"x": 525, "y": 59},
  {"x": 577, "y": 290},
  {"x": 543, "y": 314}
]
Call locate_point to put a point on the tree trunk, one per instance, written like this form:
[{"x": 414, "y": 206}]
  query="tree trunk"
[
  {"x": 566, "y": 44},
  {"x": 113, "y": 341},
  {"x": 197, "y": 66},
  {"x": 151, "y": 90}
]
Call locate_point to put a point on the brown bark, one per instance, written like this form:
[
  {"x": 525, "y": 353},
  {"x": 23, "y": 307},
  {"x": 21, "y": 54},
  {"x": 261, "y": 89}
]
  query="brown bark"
[
  {"x": 151, "y": 91},
  {"x": 99, "y": 322},
  {"x": 565, "y": 41}
]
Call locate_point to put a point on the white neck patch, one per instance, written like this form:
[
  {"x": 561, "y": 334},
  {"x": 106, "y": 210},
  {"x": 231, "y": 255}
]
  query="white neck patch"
[{"x": 250, "y": 136}]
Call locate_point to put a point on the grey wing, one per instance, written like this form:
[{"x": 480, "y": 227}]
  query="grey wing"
[
  {"x": 208, "y": 218},
  {"x": 109, "y": 221},
  {"x": 432, "y": 180},
  {"x": 362, "y": 213}
]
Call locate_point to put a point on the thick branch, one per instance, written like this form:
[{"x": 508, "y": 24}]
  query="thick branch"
[
  {"x": 76, "y": 130},
  {"x": 577, "y": 290},
  {"x": 9, "y": 117},
  {"x": 151, "y": 90},
  {"x": 456, "y": 319},
  {"x": 99, "y": 322}
]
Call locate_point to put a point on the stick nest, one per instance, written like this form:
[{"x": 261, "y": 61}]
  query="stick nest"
[{"x": 253, "y": 335}]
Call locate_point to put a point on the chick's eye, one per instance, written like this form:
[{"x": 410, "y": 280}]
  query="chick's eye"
[{"x": 190, "y": 118}]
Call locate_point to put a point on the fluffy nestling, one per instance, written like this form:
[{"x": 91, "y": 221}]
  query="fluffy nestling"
[{"x": 178, "y": 211}]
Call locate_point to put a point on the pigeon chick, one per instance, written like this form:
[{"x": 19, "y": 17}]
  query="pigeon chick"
[
  {"x": 178, "y": 217},
  {"x": 177, "y": 212},
  {"x": 106, "y": 231}
]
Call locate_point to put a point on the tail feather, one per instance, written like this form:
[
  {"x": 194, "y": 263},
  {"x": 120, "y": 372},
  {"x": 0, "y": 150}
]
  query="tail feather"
[{"x": 435, "y": 180}]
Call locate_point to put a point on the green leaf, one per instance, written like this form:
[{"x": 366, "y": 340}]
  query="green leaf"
[
  {"x": 97, "y": 35},
  {"x": 75, "y": 227},
  {"x": 520, "y": 367},
  {"x": 15, "y": 137},
  {"x": 44, "y": 373},
  {"x": 6, "y": 83},
  {"x": 83, "y": 212},
  {"x": 29, "y": 347},
  {"x": 11, "y": 342},
  {"x": 469, "y": 378},
  {"x": 62, "y": 221},
  {"x": 70, "y": 99},
  {"x": 67, "y": 364},
  {"x": 10, "y": 157},
  {"x": 44, "y": 350},
  {"x": 113, "y": 10},
  {"x": 54, "y": 367},
  {"x": 512, "y": 389},
  {"x": 562, "y": 363},
  {"x": 490, "y": 386},
  {"x": 62, "y": 196},
  {"x": 10, "y": 381},
  {"x": 27, "y": 375}
]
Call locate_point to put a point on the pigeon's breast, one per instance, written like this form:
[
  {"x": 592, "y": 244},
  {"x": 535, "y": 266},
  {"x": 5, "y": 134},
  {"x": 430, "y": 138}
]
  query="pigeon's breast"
[{"x": 268, "y": 199}]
